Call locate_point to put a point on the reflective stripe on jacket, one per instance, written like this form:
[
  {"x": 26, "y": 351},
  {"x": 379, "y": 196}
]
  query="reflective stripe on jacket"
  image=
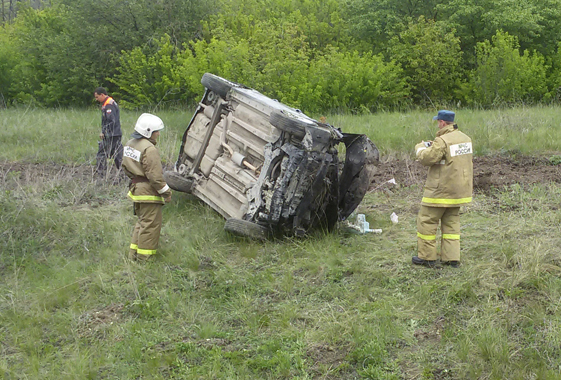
[
  {"x": 142, "y": 159},
  {"x": 450, "y": 176}
]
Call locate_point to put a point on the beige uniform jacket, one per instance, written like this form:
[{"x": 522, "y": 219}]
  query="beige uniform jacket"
[
  {"x": 450, "y": 177},
  {"x": 141, "y": 161}
]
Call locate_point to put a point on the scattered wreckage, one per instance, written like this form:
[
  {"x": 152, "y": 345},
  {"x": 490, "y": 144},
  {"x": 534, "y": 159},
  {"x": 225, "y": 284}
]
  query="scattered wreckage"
[{"x": 269, "y": 169}]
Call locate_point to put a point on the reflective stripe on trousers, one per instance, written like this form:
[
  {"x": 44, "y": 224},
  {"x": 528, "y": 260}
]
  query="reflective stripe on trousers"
[
  {"x": 146, "y": 233},
  {"x": 446, "y": 201},
  {"x": 135, "y": 248},
  {"x": 427, "y": 225}
]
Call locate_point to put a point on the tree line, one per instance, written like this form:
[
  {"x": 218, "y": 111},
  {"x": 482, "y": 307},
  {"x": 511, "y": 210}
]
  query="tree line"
[{"x": 318, "y": 55}]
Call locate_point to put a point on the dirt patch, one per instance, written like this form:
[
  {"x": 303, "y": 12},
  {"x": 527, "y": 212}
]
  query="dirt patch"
[
  {"x": 91, "y": 322},
  {"x": 75, "y": 186},
  {"x": 432, "y": 334},
  {"x": 428, "y": 340},
  {"x": 25, "y": 173},
  {"x": 489, "y": 172},
  {"x": 327, "y": 359}
]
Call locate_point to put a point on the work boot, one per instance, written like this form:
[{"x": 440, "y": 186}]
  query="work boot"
[
  {"x": 142, "y": 258},
  {"x": 132, "y": 254},
  {"x": 453, "y": 263},
  {"x": 427, "y": 263}
]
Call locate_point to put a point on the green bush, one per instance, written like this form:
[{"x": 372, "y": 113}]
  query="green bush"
[
  {"x": 431, "y": 60},
  {"x": 316, "y": 55},
  {"x": 348, "y": 80},
  {"x": 273, "y": 58},
  {"x": 148, "y": 78},
  {"x": 503, "y": 75},
  {"x": 8, "y": 59}
]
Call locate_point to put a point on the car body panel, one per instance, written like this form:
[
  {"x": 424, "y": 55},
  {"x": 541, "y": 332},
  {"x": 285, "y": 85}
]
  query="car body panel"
[{"x": 255, "y": 159}]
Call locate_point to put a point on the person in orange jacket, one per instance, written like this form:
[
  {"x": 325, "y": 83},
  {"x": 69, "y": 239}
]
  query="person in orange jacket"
[
  {"x": 148, "y": 188},
  {"x": 449, "y": 185},
  {"x": 110, "y": 145}
]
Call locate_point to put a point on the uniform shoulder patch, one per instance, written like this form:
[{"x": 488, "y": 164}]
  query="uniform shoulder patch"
[
  {"x": 131, "y": 153},
  {"x": 460, "y": 149}
]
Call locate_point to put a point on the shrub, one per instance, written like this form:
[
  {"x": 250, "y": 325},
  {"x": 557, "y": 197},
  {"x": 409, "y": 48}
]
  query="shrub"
[
  {"x": 431, "y": 60},
  {"x": 349, "y": 80},
  {"x": 504, "y": 75}
]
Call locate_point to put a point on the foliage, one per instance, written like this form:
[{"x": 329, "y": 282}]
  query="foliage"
[
  {"x": 431, "y": 59},
  {"x": 353, "y": 81},
  {"x": 148, "y": 79},
  {"x": 308, "y": 53},
  {"x": 533, "y": 21},
  {"x": 274, "y": 59},
  {"x": 9, "y": 57},
  {"x": 49, "y": 68},
  {"x": 321, "y": 23},
  {"x": 555, "y": 160},
  {"x": 113, "y": 26},
  {"x": 554, "y": 79},
  {"x": 504, "y": 75},
  {"x": 376, "y": 21}
]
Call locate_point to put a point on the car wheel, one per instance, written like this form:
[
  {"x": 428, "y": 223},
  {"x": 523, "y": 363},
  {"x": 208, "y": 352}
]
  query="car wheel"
[
  {"x": 216, "y": 84},
  {"x": 246, "y": 228},
  {"x": 290, "y": 123},
  {"x": 177, "y": 182}
]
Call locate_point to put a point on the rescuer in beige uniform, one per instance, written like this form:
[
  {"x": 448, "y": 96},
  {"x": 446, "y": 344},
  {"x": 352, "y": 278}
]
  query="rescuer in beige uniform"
[
  {"x": 449, "y": 185},
  {"x": 148, "y": 189}
]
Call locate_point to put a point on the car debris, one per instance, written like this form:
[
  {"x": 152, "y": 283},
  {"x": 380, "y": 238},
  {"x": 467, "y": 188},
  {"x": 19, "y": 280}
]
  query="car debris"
[
  {"x": 361, "y": 226},
  {"x": 269, "y": 169}
]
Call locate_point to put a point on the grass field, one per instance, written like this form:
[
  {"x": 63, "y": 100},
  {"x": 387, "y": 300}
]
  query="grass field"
[{"x": 333, "y": 306}]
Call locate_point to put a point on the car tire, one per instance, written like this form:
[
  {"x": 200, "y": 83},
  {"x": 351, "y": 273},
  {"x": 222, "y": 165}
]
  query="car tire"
[
  {"x": 246, "y": 228},
  {"x": 216, "y": 84},
  {"x": 177, "y": 182},
  {"x": 292, "y": 125}
]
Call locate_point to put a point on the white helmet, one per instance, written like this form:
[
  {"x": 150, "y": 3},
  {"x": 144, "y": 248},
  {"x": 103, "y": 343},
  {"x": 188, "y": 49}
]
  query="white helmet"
[{"x": 148, "y": 123}]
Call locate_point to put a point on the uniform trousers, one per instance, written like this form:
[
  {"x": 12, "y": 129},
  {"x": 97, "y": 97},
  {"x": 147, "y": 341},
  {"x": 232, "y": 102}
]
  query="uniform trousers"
[
  {"x": 427, "y": 224},
  {"x": 109, "y": 147},
  {"x": 146, "y": 233}
]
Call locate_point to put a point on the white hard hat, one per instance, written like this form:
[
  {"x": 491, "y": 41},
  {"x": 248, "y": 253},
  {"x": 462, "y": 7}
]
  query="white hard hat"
[{"x": 148, "y": 123}]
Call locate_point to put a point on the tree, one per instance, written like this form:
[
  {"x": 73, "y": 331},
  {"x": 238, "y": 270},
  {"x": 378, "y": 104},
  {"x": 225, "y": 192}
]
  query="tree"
[
  {"x": 431, "y": 60},
  {"x": 504, "y": 75},
  {"x": 9, "y": 58},
  {"x": 376, "y": 21},
  {"x": 9, "y": 8},
  {"x": 533, "y": 22}
]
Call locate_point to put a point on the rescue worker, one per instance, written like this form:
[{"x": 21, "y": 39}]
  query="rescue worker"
[
  {"x": 148, "y": 189},
  {"x": 449, "y": 185},
  {"x": 110, "y": 145}
]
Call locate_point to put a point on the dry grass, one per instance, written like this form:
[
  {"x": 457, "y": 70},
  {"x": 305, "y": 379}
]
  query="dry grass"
[{"x": 338, "y": 306}]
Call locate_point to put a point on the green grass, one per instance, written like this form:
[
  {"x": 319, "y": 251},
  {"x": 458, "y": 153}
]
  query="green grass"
[
  {"x": 71, "y": 136},
  {"x": 514, "y": 130},
  {"x": 64, "y": 136},
  {"x": 333, "y": 306}
]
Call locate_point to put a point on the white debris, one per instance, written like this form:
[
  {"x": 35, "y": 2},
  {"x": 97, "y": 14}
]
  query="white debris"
[
  {"x": 394, "y": 218},
  {"x": 362, "y": 226}
]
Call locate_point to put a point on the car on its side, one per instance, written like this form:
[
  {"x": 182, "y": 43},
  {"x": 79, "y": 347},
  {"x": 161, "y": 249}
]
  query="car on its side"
[{"x": 269, "y": 169}]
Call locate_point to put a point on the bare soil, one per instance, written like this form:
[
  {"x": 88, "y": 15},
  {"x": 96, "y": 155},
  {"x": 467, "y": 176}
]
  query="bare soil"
[
  {"x": 489, "y": 172},
  {"x": 22, "y": 174}
]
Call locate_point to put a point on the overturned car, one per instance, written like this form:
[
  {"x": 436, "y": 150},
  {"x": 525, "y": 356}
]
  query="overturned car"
[{"x": 267, "y": 168}]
